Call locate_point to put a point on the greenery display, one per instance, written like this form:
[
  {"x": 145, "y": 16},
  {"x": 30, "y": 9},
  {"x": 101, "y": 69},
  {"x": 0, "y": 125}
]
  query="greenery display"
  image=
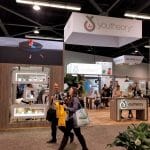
[
  {"x": 135, "y": 137},
  {"x": 77, "y": 81}
]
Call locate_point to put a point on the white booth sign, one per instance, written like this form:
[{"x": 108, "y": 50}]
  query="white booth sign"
[
  {"x": 80, "y": 68},
  {"x": 132, "y": 104},
  {"x": 128, "y": 59},
  {"x": 106, "y": 67},
  {"x": 95, "y": 30},
  {"x": 140, "y": 105}
]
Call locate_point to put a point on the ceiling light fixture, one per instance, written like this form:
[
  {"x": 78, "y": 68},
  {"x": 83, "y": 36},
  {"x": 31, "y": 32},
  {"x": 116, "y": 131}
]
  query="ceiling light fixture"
[
  {"x": 54, "y": 4},
  {"x": 43, "y": 38},
  {"x": 36, "y": 7},
  {"x": 135, "y": 15},
  {"x": 147, "y": 46},
  {"x": 36, "y": 31}
]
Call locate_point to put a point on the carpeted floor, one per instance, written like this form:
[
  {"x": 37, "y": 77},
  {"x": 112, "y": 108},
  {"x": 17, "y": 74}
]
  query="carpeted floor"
[
  {"x": 98, "y": 134},
  {"x": 97, "y": 137}
]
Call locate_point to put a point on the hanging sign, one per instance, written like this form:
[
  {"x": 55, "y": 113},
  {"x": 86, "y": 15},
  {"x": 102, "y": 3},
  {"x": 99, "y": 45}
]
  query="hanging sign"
[
  {"x": 128, "y": 59},
  {"x": 95, "y": 30}
]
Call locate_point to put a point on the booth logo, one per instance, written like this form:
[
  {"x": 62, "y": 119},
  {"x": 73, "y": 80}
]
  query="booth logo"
[
  {"x": 89, "y": 25},
  {"x": 123, "y": 104}
]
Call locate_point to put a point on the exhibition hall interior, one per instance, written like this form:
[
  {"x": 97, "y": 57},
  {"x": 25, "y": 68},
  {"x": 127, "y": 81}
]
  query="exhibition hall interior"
[{"x": 101, "y": 47}]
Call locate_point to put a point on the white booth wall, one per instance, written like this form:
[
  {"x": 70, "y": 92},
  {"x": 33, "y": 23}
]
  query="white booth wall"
[
  {"x": 141, "y": 71},
  {"x": 138, "y": 71},
  {"x": 76, "y": 57}
]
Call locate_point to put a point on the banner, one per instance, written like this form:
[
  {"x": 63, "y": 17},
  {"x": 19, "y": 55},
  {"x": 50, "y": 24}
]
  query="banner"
[{"x": 30, "y": 51}]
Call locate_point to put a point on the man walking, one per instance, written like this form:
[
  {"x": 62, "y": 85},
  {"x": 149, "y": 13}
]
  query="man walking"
[{"x": 57, "y": 96}]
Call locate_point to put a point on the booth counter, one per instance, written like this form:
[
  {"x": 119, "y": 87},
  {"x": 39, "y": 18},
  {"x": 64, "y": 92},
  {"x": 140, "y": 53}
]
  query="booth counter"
[{"x": 138, "y": 104}]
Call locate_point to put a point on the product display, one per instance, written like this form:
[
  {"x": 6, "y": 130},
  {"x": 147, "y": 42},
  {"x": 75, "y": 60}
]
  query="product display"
[
  {"x": 28, "y": 77},
  {"x": 28, "y": 111}
]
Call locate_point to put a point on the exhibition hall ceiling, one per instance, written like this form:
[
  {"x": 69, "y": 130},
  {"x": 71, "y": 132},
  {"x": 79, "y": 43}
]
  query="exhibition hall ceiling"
[{"x": 20, "y": 20}]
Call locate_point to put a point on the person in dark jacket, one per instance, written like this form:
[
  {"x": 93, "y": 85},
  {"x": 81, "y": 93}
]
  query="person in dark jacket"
[
  {"x": 73, "y": 105},
  {"x": 57, "y": 96}
]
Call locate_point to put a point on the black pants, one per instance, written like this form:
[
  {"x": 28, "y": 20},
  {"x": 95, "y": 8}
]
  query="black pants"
[
  {"x": 77, "y": 131},
  {"x": 54, "y": 124}
]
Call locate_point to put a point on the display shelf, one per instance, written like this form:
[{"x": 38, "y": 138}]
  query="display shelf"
[
  {"x": 29, "y": 77},
  {"x": 28, "y": 111}
]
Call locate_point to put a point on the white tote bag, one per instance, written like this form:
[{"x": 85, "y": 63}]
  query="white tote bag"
[{"x": 81, "y": 118}]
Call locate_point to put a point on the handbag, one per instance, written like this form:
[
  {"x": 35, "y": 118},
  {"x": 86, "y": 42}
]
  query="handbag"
[
  {"x": 51, "y": 114},
  {"x": 80, "y": 117}
]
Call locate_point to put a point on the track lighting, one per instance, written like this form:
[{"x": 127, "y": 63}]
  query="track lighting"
[
  {"x": 51, "y": 4},
  {"x": 147, "y": 46},
  {"x": 138, "y": 16}
]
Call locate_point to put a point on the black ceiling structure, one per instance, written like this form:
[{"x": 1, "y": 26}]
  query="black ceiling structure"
[{"x": 19, "y": 20}]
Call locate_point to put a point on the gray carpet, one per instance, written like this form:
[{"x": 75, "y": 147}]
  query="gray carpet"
[{"x": 97, "y": 137}]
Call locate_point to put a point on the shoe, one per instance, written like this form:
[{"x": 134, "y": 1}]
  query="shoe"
[
  {"x": 85, "y": 148},
  {"x": 71, "y": 137},
  {"x": 51, "y": 141}
]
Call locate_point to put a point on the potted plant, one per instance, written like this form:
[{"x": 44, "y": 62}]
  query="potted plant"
[{"x": 135, "y": 137}]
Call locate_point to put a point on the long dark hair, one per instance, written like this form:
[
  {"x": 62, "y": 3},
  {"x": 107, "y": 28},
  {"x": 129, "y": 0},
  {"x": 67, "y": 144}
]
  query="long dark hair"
[{"x": 75, "y": 91}]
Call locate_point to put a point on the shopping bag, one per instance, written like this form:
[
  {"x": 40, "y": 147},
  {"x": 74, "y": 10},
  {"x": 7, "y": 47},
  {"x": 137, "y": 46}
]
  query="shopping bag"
[{"x": 81, "y": 118}]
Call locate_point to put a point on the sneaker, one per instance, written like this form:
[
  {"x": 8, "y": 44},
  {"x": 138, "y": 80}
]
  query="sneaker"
[{"x": 51, "y": 141}]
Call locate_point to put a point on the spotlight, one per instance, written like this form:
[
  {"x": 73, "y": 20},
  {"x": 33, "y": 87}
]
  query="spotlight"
[
  {"x": 36, "y": 7},
  {"x": 36, "y": 31}
]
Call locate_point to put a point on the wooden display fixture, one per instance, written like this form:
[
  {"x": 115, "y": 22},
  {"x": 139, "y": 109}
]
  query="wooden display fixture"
[{"x": 140, "y": 105}]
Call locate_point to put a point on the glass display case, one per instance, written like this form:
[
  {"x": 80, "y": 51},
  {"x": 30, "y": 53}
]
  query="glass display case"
[
  {"x": 28, "y": 111},
  {"x": 30, "y": 85}
]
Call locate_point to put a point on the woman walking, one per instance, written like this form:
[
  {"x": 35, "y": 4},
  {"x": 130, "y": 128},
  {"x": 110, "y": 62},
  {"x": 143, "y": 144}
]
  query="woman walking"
[{"x": 72, "y": 106}]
